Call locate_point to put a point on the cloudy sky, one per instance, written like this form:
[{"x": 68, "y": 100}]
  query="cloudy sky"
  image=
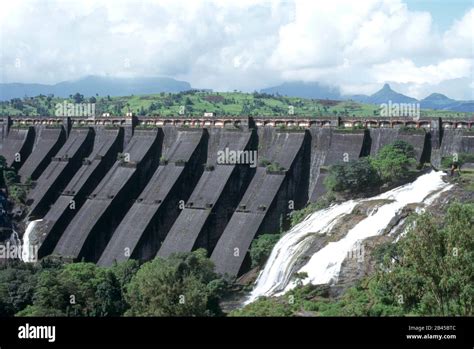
[{"x": 419, "y": 47}]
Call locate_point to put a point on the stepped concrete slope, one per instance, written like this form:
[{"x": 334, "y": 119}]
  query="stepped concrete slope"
[
  {"x": 47, "y": 144},
  {"x": 266, "y": 202},
  {"x": 167, "y": 192},
  {"x": 330, "y": 147},
  {"x": 215, "y": 197},
  {"x": 107, "y": 143},
  {"x": 146, "y": 224},
  {"x": 90, "y": 229},
  {"x": 19, "y": 141},
  {"x": 60, "y": 171}
]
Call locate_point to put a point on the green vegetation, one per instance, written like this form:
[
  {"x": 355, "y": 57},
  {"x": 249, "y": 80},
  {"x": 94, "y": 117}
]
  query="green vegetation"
[
  {"x": 433, "y": 273},
  {"x": 323, "y": 202},
  {"x": 428, "y": 272},
  {"x": 262, "y": 247},
  {"x": 355, "y": 176},
  {"x": 78, "y": 289},
  {"x": 271, "y": 166},
  {"x": 393, "y": 163},
  {"x": 17, "y": 192},
  {"x": 457, "y": 159},
  {"x": 197, "y": 102},
  {"x": 183, "y": 285}
]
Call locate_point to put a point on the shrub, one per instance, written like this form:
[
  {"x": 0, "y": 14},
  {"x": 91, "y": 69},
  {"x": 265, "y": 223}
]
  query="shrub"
[
  {"x": 261, "y": 248},
  {"x": 355, "y": 176}
]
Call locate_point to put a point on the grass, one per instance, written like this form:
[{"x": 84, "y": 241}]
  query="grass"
[
  {"x": 198, "y": 102},
  {"x": 468, "y": 179}
]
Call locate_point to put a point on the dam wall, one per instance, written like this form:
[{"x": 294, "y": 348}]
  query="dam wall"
[
  {"x": 381, "y": 137},
  {"x": 47, "y": 143},
  {"x": 330, "y": 147},
  {"x": 107, "y": 144},
  {"x": 456, "y": 141},
  {"x": 17, "y": 145},
  {"x": 126, "y": 189},
  {"x": 144, "y": 227},
  {"x": 60, "y": 171},
  {"x": 278, "y": 186},
  {"x": 91, "y": 228},
  {"x": 215, "y": 197}
]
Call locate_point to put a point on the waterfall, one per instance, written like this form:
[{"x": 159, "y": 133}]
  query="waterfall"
[
  {"x": 324, "y": 266},
  {"x": 14, "y": 238},
  {"x": 29, "y": 251}
]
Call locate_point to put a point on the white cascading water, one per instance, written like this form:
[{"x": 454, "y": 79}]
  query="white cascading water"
[
  {"x": 324, "y": 266},
  {"x": 28, "y": 252}
]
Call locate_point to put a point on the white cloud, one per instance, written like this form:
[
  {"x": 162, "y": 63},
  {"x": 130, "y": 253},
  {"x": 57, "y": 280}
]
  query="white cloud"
[
  {"x": 459, "y": 39},
  {"x": 405, "y": 71},
  {"x": 237, "y": 45}
]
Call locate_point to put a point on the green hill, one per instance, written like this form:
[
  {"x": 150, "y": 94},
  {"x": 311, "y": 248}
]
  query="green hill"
[{"x": 197, "y": 102}]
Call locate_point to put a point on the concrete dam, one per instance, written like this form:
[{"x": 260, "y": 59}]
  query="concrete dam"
[{"x": 110, "y": 188}]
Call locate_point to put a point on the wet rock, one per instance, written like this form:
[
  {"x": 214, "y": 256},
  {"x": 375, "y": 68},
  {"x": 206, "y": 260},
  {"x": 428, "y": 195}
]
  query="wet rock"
[
  {"x": 370, "y": 207},
  {"x": 359, "y": 265}
]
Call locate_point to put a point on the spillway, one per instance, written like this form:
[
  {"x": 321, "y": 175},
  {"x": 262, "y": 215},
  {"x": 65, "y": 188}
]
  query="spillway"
[
  {"x": 324, "y": 265},
  {"x": 215, "y": 197},
  {"x": 107, "y": 143},
  {"x": 19, "y": 141},
  {"x": 146, "y": 224},
  {"x": 47, "y": 144},
  {"x": 262, "y": 208},
  {"x": 61, "y": 169},
  {"x": 90, "y": 229}
]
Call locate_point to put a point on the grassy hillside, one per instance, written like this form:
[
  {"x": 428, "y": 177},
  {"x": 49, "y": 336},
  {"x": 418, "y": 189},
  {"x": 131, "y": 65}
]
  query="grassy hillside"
[{"x": 198, "y": 102}]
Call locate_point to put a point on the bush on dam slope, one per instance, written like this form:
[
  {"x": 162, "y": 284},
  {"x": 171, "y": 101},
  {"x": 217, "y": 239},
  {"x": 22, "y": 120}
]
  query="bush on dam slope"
[{"x": 393, "y": 163}]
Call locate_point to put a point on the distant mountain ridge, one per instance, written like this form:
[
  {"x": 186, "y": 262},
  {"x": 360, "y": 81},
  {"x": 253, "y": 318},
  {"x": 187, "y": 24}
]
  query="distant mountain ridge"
[
  {"x": 441, "y": 102},
  {"x": 92, "y": 85},
  {"x": 103, "y": 86},
  {"x": 383, "y": 96},
  {"x": 312, "y": 90},
  {"x": 434, "y": 101}
]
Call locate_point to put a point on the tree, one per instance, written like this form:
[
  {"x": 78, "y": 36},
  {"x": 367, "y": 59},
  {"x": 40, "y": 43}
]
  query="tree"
[
  {"x": 434, "y": 273},
  {"x": 17, "y": 285},
  {"x": 355, "y": 176},
  {"x": 261, "y": 248},
  {"x": 182, "y": 285},
  {"x": 394, "y": 161},
  {"x": 78, "y": 289},
  {"x": 78, "y": 98}
]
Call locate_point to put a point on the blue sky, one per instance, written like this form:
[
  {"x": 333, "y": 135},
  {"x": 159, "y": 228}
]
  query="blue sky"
[
  {"x": 444, "y": 12},
  {"x": 419, "y": 47}
]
